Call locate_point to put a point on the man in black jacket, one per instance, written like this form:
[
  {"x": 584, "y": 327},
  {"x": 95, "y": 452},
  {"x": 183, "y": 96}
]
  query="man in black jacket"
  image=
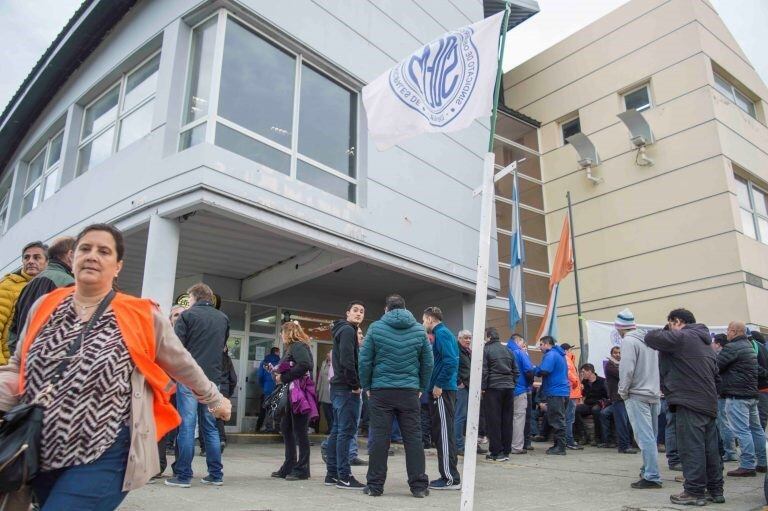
[
  {"x": 462, "y": 393},
  {"x": 345, "y": 398},
  {"x": 203, "y": 330},
  {"x": 737, "y": 363},
  {"x": 498, "y": 385},
  {"x": 595, "y": 399},
  {"x": 689, "y": 373},
  {"x": 758, "y": 341}
]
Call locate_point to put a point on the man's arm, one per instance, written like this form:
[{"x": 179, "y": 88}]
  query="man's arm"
[
  {"x": 181, "y": 328},
  {"x": 426, "y": 364},
  {"x": 725, "y": 358},
  {"x": 486, "y": 371},
  {"x": 666, "y": 341},
  {"x": 443, "y": 344},
  {"x": 347, "y": 343},
  {"x": 547, "y": 364},
  {"x": 365, "y": 362},
  {"x": 627, "y": 367}
]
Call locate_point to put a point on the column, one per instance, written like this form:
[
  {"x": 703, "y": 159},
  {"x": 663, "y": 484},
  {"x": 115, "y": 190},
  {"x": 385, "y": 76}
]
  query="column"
[
  {"x": 467, "y": 311},
  {"x": 160, "y": 261}
]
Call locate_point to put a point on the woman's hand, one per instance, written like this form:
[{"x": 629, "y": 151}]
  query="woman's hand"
[
  {"x": 223, "y": 409},
  {"x": 277, "y": 378}
]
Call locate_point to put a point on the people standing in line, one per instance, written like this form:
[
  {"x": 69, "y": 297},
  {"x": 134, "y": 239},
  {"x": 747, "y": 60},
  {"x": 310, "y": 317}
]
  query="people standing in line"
[
  {"x": 574, "y": 399},
  {"x": 617, "y": 409},
  {"x": 595, "y": 401},
  {"x": 727, "y": 440},
  {"x": 34, "y": 259},
  {"x": 295, "y": 366},
  {"x": 498, "y": 385},
  {"x": 443, "y": 387},
  {"x": 58, "y": 273},
  {"x": 462, "y": 392},
  {"x": 758, "y": 341},
  {"x": 520, "y": 414},
  {"x": 203, "y": 330},
  {"x": 395, "y": 367},
  {"x": 555, "y": 390},
  {"x": 267, "y": 383},
  {"x": 345, "y": 398},
  {"x": 639, "y": 387},
  {"x": 737, "y": 364},
  {"x": 689, "y": 371},
  {"x": 96, "y": 448}
]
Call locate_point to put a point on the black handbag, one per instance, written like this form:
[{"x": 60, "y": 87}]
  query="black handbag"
[
  {"x": 20, "y": 427},
  {"x": 276, "y": 403}
]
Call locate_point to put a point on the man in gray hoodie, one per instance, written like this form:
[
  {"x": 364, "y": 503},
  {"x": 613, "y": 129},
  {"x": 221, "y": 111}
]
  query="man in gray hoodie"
[{"x": 639, "y": 388}]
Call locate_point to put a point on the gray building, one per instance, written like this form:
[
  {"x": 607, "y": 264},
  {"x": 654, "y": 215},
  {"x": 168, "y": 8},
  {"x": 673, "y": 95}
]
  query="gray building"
[{"x": 228, "y": 141}]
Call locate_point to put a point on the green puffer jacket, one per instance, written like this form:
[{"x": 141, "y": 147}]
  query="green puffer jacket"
[{"x": 396, "y": 354}]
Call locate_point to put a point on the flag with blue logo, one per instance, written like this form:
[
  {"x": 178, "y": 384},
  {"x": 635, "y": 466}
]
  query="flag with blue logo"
[
  {"x": 443, "y": 86},
  {"x": 516, "y": 267}
]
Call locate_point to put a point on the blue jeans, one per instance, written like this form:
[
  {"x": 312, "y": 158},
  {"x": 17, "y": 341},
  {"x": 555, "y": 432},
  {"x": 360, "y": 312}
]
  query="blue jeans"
[
  {"x": 189, "y": 409},
  {"x": 726, "y": 435},
  {"x": 97, "y": 485},
  {"x": 462, "y": 400},
  {"x": 618, "y": 411},
  {"x": 346, "y": 412},
  {"x": 670, "y": 439},
  {"x": 744, "y": 420},
  {"x": 352, "y": 443},
  {"x": 570, "y": 418},
  {"x": 644, "y": 418}
]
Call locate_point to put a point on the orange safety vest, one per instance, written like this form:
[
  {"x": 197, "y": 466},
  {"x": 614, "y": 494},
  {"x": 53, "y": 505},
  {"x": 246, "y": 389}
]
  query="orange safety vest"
[{"x": 134, "y": 318}]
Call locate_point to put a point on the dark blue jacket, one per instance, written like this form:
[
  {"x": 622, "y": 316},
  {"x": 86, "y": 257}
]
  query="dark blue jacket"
[
  {"x": 265, "y": 377},
  {"x": 523, "y": 364},
  {"x": 446, "y": 354},
  {"x": 554, "y": 373}
]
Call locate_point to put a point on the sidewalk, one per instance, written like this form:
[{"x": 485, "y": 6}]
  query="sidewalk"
[{"x": 589, "y": 480}]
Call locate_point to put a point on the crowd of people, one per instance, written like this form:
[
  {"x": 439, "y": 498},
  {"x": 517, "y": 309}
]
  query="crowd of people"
[{"x": 123, "y": 385}]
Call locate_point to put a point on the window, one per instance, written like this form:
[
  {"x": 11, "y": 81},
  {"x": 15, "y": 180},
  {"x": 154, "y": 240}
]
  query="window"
[
  {"x": 569, "y": 128},
  {"x": 120, "y": 116},
  {"x": 733, "y": 93},
  {"x": 639, "y": 99},
  {"x": 5, "y": 199},
  {"x": 753, "y": 204},
  {"x": 42, "y": 174},
  {"x": 300, "y": 122}
]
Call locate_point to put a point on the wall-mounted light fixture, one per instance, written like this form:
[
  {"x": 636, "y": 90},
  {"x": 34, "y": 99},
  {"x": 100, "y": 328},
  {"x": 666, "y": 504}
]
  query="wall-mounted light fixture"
[
  {"x": 588, "y": 157},
  {"x": 639, "y": 133}
]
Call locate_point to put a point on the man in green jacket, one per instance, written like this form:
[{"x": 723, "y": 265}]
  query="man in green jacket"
[{"x": 395, "y": 368}]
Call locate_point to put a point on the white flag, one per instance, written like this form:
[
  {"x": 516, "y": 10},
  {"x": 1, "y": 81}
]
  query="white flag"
[{"x": 443, "y": 86}]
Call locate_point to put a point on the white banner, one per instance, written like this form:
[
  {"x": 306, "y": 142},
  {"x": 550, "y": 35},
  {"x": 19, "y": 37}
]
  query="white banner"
[
  {"x": 602, "y": 336},
  {"x": 443, "y": 86}
]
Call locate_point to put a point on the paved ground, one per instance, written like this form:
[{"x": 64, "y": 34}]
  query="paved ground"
[{"x": 594, "y": 480}]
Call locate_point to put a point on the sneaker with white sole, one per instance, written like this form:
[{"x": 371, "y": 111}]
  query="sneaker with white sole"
[
  {"x": 209, "y": 479},
  {"x": 177, "y": 483},
  {"x": 330, "y": 480},
  {"x": 349, "y": 484},
  {"x": 442, "y": 484}
]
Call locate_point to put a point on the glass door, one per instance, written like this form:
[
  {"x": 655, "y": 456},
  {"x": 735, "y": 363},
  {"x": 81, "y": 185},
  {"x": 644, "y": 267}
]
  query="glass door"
[
  {"x": 259, "y": 346},
  {"x": 235, "y": 346}
]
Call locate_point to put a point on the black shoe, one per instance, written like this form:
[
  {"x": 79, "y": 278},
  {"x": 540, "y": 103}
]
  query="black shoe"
[
  {"x": 350, "y": 484},
  {"x": 555, "y": 451},
  {"x": 629, "y": 450},
  {"x": 645, "y": 484},
  {"x": 676, "y": 467},
  {"x": 715, "y": 499},
  {"x": 686, "y": 499},
  {"x": 574, "y": 447},
  {"x": 357, "y": 462},
  {"x": 330, "y": 480},
  {"x": 539, "y": 438},
  {"x": 278, "y": 475},
  {"x": 761, "y": 469},
  {"x": 371, "y": 492},
  {"x": 742, "y": 472},
  {"x": 419, "y": 494},
  {"x": 296, "y": 477}
]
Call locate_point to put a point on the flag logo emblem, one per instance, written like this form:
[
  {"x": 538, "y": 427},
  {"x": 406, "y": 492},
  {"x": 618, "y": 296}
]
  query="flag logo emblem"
[{"x": 438, "y": 80}]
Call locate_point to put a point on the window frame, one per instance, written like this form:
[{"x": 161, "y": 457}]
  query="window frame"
[
  {"x": 732, "y": 94},
  {"x": 117, "y": 122},
  {"x": 647, "y": 87},
  {"x": 5, "y": 200},
  {"x": 754, "y": 213},
  {"x": 48, "y": 169},
  {"x": 562, "y": 124},
  {"x": 212, "y": 118}
]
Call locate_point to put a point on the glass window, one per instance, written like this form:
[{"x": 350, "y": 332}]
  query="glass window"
[
  {"x": 136, "y": 124},
  {"x": 748, "y": 223},
  {"x": 733, "y": 93},
  {"x": 141, "y": 84},
  {"x": 263, "y": 106},
  {"x": 536, "y": 257},
  {"x": 192, "y": 137},
  {"x": 5, "y": 199},
  {"x": 759, "y": 200},
  {"x": 723, "y": 86},
  {"x": 762, "y": 225},
  {"x": 506, "y": 154},
  {"x": 235, "y": 311},
  {"x": 536, "y": 286},
  {"x": 101, "y": 114},
  {"x": 95, "y": 151},
  {"x": 50, "y": 184},
  {"x": 325, "y": 181},
  {"x": 252, "y": 149},
  {"x": 753, "y": 208},
  {"x": 742, "y": 192},
  {"x": 54, "y": 154},
  {"x": 36, "y": 168},
  {"x": 200, "y": 71},
  {"x": 639, "y": 99},
  {"x": 30, "y": 201},
  {"x": 42, "y": 174},
  {"x": 326, "y": 122},
  {"x": 744, "y": 103},
  {"x": 570, "y": 128}
]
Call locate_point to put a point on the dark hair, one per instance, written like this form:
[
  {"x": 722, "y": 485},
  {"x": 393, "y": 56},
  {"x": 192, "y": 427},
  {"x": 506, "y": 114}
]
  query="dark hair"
[
  {"x": 60, "y": 247},
  {"x": 720, "y": 339},
  {"x": 434, "y": 313},
  {"x": 491, "y": 333},
  {"x": 615, "y": 348},
  {"x": 516, "y": 336},
  {"x": 201, "y": 292},
  {"x": 548, "y": 339},
  {"x": 395, "y": 302},
  {"x": 36, "y": 244},
  {"x": 117, "y": 236},
  {"x": 274, "y": 350},
  {"x": 588, "y": 367},
  {"x": 683, "y": 315},
  {"x": 758, "y": 336},
  {"x": 353, "y": 303}
]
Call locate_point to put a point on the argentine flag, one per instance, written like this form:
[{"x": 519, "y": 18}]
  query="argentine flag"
[{"x": 516, "y": 281}]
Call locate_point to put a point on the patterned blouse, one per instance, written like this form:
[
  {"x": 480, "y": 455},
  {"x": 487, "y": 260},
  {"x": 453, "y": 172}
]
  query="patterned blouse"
[{"x": 92, "y": 400}]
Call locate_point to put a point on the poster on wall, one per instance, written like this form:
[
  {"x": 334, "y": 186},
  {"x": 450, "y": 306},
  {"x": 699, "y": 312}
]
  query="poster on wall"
[{"x": 602, "y": 336}]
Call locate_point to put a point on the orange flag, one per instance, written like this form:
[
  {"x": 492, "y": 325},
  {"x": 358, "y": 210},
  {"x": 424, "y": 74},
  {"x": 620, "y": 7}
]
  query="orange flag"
[{"x": 562, "y": 266}]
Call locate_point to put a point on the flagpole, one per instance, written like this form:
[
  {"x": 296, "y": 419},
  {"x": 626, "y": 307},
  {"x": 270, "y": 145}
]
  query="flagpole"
[
  {"x": 481, "y": 294},
  {"x": 519, "y": 229},
  {"x": 584, "y": 352}
]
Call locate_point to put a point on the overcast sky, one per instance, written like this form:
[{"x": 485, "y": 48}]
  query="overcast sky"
[{"x": 27, "y": 28}]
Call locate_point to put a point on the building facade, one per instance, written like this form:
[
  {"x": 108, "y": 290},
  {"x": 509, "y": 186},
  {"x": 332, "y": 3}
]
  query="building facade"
[{"x": 692, "y": 229}]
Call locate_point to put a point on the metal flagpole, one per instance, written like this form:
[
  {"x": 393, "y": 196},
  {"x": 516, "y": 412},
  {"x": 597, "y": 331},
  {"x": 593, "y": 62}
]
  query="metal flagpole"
[
  {"x": 584, "y": 355},
  {"x": 481, "y": 295},
  {"x": 519, "y": 229}
]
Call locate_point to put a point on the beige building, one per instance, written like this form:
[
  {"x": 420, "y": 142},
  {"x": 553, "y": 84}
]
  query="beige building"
[{"x": 691, "y": 230}]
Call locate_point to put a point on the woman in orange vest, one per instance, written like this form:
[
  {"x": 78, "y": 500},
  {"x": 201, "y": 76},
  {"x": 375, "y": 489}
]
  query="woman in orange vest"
[{"x": 106, "y": 412}]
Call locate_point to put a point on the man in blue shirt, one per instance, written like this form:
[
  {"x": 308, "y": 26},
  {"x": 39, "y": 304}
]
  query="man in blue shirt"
[
  {"x": 516, "y": 345},
  {"x": 267, "y": 384},
  {"x": 443, "y": 385},
  {"x": 555, "y": 389}
]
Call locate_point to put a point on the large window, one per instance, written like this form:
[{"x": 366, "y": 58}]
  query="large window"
[
  {"x": 639, "y": 98},
  {"x": 120, "y": 116},
  {"x": 270, "y": 105},
  {"x": 753, "y": 205},
  {"x": 42, "y": 174},
  {"x": 5, "y": 199},
  {"x": 732, "y": 92}
]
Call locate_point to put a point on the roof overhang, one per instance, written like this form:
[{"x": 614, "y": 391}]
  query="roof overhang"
[{"x": 519, "y": 10}]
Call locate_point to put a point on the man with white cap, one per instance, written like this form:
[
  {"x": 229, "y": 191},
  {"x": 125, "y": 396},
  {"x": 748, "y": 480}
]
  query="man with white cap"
[{"x": 639, "y": 388}]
